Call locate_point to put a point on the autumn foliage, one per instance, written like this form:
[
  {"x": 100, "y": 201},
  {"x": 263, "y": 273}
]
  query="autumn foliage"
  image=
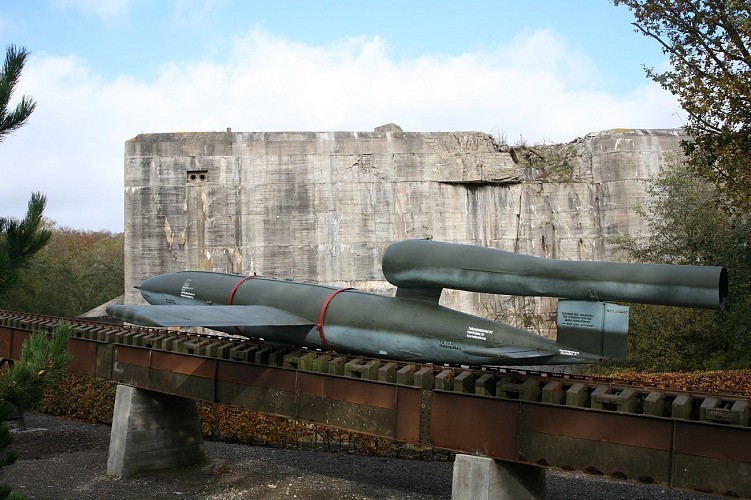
[
  {"x": 723, "y": 382},
  {"x": 77, "y": 271}
]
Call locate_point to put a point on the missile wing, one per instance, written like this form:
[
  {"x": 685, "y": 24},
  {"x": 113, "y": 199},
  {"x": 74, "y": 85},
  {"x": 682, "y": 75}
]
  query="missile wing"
[{"x": 210, "y": 316}]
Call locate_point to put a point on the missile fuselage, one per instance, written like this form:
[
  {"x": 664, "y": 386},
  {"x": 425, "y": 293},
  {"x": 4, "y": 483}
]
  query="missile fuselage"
[{"x": 355, "y": 322}]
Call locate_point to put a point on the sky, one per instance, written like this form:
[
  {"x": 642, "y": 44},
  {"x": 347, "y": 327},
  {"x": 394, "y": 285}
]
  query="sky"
[{"x": 104, "y": 71}]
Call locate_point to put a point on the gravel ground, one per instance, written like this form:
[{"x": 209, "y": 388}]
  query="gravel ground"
[{"x": 61, "y": 459}]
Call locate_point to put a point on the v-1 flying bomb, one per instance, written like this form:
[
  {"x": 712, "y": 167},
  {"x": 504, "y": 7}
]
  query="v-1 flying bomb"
[{"x": 412, "y": 326}]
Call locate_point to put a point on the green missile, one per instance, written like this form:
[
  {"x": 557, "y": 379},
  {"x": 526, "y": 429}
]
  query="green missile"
[{"x": 413, "y": 326}]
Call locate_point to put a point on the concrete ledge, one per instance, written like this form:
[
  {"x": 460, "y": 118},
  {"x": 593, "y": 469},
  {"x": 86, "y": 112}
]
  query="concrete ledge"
[
  {"x": 482, "y": 478},
  {"x": 153, "y": 431}
]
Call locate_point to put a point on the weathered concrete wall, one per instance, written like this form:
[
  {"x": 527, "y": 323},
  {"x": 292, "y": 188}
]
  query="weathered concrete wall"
[{"x": 323, "y": 206}]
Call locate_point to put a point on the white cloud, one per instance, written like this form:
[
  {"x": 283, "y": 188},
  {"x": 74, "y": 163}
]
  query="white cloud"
[{"x": 73, "y": 145}]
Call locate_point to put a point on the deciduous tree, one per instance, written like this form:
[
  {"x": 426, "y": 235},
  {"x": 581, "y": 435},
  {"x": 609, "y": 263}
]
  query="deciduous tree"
[
  {"x": 708, "y": 43},
  {"x": 77, "y": 271},
  {"x": 700, "y": 209},
  {"x": 687, "y": 225}
]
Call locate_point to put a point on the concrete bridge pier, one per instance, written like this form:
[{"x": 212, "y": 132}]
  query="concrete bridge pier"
[
  {"x": 483, "y": 478},
  {"x": 153, "y": 431}
]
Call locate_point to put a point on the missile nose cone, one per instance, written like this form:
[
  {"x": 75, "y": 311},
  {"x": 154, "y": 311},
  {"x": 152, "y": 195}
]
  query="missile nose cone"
[
  {"x": 150, "y": 284},
  {"x": 162, "y": 281},
  {"x": 162, "y": 284}
]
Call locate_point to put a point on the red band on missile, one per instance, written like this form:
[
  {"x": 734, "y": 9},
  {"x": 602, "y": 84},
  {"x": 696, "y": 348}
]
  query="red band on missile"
[
  {"x": 232, "y": 295},
  {"x": 323, "y": 314},
  {"x": 234, "y": 289}
]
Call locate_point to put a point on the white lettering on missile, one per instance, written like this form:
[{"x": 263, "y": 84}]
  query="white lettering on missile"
[
  {"x": 187, "y": 290},
  {"x": 577, "y": 319},
  {"x": 478, "y": 333},
  {"x": 567, "y": 352},
  {"x": 616, "y": 311}
]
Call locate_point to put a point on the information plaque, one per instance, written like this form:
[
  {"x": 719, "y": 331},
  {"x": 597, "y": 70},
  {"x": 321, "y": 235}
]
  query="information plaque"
[{"x": 597, "y": 327}]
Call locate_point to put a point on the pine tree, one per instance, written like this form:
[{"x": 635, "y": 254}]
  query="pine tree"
[
  {"x": 43, "y": 359},
  {"x": 19, "y": 239},
  {"x": 13, "y": 119}
]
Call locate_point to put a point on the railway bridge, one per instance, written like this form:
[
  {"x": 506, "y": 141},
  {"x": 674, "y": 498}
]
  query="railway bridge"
[{"x": 505, "y": 425}]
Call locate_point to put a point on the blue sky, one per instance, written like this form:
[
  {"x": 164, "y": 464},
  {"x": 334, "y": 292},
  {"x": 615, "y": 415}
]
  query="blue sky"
[{"x": 103, "y": 71}]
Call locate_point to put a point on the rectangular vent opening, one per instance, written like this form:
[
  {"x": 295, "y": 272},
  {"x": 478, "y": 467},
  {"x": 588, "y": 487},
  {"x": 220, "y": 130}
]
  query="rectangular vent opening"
[{"x": 197, "y": 176}]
